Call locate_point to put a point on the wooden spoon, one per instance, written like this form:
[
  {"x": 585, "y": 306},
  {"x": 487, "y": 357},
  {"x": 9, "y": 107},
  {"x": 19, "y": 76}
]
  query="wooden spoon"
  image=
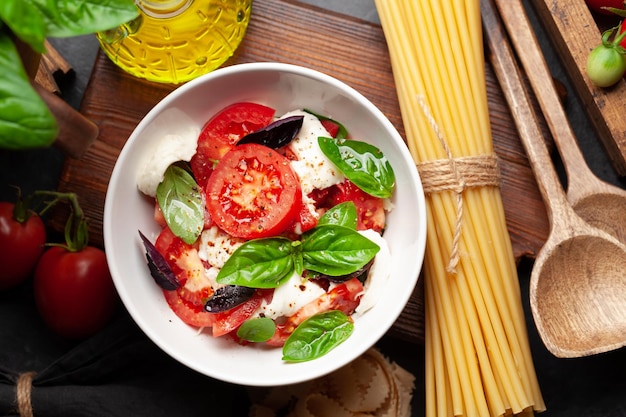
[
  {"x": 578, "y": 281},
  {"x": 599, "y": 203}
]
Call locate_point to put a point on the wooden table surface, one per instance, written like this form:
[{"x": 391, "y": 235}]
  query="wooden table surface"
[{"x": 350, "y": 49}]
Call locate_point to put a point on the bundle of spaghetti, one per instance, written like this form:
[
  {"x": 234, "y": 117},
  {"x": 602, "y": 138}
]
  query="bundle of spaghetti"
[{"x": 478, "y": 359}]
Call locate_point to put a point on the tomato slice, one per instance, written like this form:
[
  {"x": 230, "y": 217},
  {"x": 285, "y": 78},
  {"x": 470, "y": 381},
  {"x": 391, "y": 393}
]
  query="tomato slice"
[
  {"x": 229, "y": 320},
  {"x": 221, "y": 133},
  {"x": 306, "y": 219},
  {"x": 253, "y": 192},
  {"x": 370, "y": 209},
  {"x": 187, "y": 312},
  {"x": 187, "y": 302},
  {"x": 344, "y": 297}
]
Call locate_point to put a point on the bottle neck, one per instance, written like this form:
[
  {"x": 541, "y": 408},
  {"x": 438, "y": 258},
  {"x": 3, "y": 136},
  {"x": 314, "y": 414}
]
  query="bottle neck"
[{"x": 162, "y": 9}]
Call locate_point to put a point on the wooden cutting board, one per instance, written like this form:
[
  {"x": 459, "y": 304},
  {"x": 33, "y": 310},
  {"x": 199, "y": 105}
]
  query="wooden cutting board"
[
  {"x": 349, "y": 49},
  {"x": 575, "y": 31}
]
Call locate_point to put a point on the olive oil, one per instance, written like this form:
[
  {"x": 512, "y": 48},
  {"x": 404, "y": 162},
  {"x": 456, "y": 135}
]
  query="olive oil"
[{"x": 173, "y": 41}]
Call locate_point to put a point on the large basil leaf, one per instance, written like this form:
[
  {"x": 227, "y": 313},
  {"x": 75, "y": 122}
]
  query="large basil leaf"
[
  {"x": 336, "y": 250},
  {"x": 25, "y": 120},
  {"x": 260, "y": 263},
  {"x": 362, "y": 163},
  {"x": 317, "y": 335},
  {"x": 181, "y": 202},
  {"x": 343, "y": 214},
  {"x": 35, "y": 20},
  {"x": 25, "y": 21}
]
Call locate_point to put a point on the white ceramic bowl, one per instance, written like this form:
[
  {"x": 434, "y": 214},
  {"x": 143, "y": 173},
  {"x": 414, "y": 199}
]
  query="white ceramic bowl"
[{"x": 283, "y": 87}]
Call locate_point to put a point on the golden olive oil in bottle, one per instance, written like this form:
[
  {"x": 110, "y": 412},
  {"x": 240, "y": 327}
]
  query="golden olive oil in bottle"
[{"x": 173, "y": 41}]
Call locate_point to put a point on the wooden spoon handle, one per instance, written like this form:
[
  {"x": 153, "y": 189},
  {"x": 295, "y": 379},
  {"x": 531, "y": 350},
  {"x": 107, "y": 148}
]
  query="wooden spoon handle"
[
  {"x": 508, "y": 74},
  {"x": 529, "y": 52}
]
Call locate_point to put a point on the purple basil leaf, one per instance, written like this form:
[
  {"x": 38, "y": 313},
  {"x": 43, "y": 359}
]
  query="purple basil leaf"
[
  {"x": 275, "y": 135},
  {"x": 230, "y": 296},
  {"x": 361, "y": 274},
  {"x": 159, "y": 268}
]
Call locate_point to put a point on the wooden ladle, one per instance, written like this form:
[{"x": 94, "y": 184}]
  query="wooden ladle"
[
  {"x": 599, "y": 203},
  {"x": 578, "y": 281}
]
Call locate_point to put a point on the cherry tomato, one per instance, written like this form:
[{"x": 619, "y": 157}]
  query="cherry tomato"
[
  {"x": 74, "y": 291},
  {"x": 21, "y": 245},
  {"x": 187, "y": 302},
  {"x": 606, "y": 64},
  {"x": 597, "y": 5},
  {"x": 221, "y": 133},
  {"x": 253, "y": 192},
  {"x": 370, "y": 209},
  {"x": 344, "y": 297}
]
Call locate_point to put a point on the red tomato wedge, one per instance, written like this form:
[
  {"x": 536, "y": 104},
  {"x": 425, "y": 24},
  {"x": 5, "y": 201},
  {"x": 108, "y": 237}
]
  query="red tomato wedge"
[
  {"x": 188, "y": 313},
  {"x": 331, "y": 127},
  {"x": 188, "y": 301},
  {"x": 370, "y": 209},
  {"x": 229, "y": 320},
  {"x": 253, "y": 192},
  {"x": 223, "y": 131}
]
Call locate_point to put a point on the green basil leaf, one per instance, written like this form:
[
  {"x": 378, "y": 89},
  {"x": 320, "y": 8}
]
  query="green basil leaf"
[
  {"x": 342, "y": 133},
  {"x": 25, "y": 120},
  {"x": 72, "y": 18},
  {"x": 35, "y": 20},
  {"x": 25, "y": 21},
  {"x": 343, "y": 214},
  {"x": 336, "y": 250},
  {"x": 257, "y": 330},
  {"x": 362, "y": 163},
  {"x": 317, "y": 335},
  {"x": 181, "y": 202},
  {"x": 260, "y": 263}
]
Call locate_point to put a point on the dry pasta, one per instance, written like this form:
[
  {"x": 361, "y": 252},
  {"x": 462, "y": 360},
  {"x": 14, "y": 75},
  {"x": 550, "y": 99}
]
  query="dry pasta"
[{"x": 478, "y": 360}]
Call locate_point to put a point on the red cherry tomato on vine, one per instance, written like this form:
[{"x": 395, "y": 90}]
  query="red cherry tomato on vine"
[
  {"x": 597, "y": 5},
  {"x": 21, "y": 244},
  {"x": 74, "y": 291}
]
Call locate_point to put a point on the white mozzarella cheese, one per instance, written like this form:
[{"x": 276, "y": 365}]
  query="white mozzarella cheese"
[
  {"x": 216, "y": 246},
  {"x": 379, "y": 273},
  {"x": 315, "y": 170},
  {"x": 290, "y": 297}
]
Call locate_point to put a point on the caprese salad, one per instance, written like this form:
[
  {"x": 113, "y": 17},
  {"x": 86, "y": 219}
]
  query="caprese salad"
[{"x": 271, "y": 227}]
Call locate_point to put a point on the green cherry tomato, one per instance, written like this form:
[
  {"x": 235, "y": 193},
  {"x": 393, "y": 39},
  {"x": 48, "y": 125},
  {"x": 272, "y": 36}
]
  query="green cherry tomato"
[{"x": 606, "y": 64}]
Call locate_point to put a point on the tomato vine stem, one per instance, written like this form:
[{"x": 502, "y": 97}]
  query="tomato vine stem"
[{"x": 76, "y": 231}]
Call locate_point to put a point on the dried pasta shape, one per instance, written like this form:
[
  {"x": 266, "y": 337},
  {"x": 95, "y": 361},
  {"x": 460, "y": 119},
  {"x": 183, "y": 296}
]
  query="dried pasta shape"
[{"x": 369, "y": 386}]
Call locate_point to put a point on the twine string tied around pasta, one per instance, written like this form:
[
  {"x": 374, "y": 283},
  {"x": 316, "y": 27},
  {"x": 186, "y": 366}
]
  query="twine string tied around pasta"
[{"x": 455, "y": 174}]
